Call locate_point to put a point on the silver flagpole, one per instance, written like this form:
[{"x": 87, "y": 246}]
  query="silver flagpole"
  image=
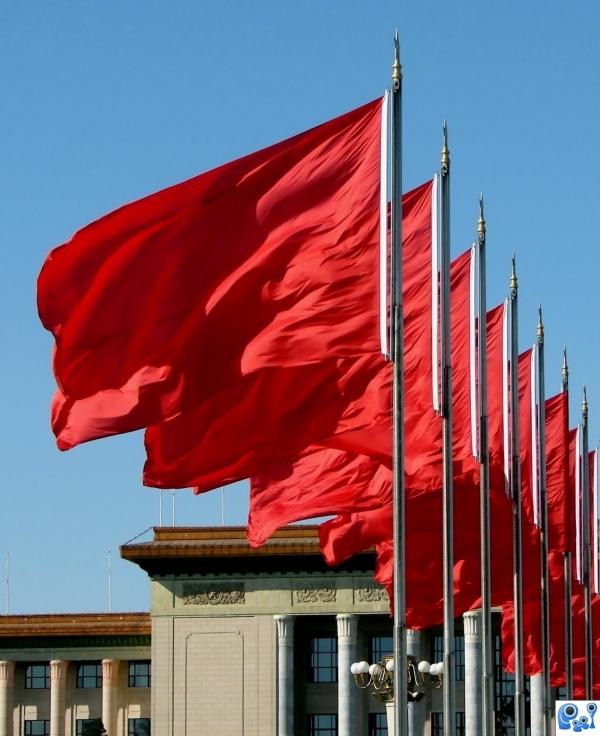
[
  {"x": 567, "y": 578},
  {"x": 515, "y": 485},
  {"x": 487, "y": 674},
  {"x": 585, "y": 522},
  {"x": 400, "y": 679},
  {"x": 543, "y": 516},
  {"x": 447, "y": 488}
]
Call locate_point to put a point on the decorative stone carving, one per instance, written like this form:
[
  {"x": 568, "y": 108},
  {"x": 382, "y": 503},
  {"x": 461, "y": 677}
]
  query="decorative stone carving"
[
  {"x": 110, "y": 671},
  {"x": 58, "y": 670},
  {"x": 316, "y": 594},
  {"x": 372, "y": 594},
  {"x": 213, "y": 594},
  {"x": 285, "y": 627},
  {"x": 472, "y": 626},
  {"x": 347, "y": 626},
  {"x": 7, "y": 670}
]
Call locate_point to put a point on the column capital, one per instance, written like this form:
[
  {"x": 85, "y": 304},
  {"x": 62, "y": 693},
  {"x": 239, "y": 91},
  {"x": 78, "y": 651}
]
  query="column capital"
[
  {"x": 110, "y": 671},
  {"x": 7, "y": 671},
  {"x": 285, "y": 626},
  {"x": 472, "y": 626},
  {"x": 347, "y": 626},
  {"x": 58, "y": 669}
]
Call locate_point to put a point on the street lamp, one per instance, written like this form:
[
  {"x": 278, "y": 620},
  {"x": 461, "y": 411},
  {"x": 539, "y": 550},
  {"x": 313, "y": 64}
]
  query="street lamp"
[{"x": 378, "y": 678}]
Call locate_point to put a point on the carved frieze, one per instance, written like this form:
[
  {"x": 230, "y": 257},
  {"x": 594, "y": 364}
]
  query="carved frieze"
[
  {"x": 316, "y": 594},
  {"x": 371, "y": 594},
  {"x": 213, "y": 594}
]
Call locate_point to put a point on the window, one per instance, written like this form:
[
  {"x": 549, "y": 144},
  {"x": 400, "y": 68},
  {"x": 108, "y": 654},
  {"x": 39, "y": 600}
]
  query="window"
[
  {"x": 37, "y": 728},
  {"x": 138, "y": 727},
  {"x": 437, "y": 724},
  {"x": 89, "y": 674},
  {"x": 378, "y": 724},
  {"x": 459, "y": 654},
  {"x": 323, "y": 660},
  {"x": 505, "y": 693},
  {"x": 323, "y": 724},
  {"x": 139, "y": 674},
  {"x": 37, "y": 677},
  {"x": 379, "y": 646},
  {"x": 89, "y": 727}
]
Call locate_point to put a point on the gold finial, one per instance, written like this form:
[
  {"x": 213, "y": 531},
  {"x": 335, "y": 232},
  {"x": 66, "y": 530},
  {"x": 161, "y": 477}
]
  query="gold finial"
[
  {"x": 565, "y": 368},
  {"x": 396, "y": 68},
  {"x": 481, "y": 221},
  {"x": 584, "y": 404},
  {"x": 540, "y": 326},
  {"x": 513, "y": 278},
  {"x": 445, "y": 160}
]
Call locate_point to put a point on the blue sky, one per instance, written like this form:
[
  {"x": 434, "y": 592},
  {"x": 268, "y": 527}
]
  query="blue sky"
[{"x": 104, "y": 102}]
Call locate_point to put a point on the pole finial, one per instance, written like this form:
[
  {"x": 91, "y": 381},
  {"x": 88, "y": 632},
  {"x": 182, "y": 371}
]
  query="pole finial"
[
  {"x": 540, "y": 326},
  {"x": 481, "y": 221},
  {"x": 584, "y": 405},
  {"x": 445, "y": 158},
  {"x": 514, "y": 285},
  {"x": 565, "y": 368},
  {"x": 396, "y": 68}
]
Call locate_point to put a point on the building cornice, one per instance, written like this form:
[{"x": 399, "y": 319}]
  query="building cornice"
[
  {"x": 79, "y": 625},
  {"x": 225, "y": 550}
]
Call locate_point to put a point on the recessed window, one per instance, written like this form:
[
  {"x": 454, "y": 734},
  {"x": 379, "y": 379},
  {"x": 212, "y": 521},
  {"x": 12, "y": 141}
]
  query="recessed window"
[
  {"x": 139, "y": 674},
  {"x": 89, "y": 674},
  {"x": 138, "y": 727},
  {"x": 322, "y": 724},
  {"x": 37, "y": 728},
  {"x": 89, "y": 727},
  {"x": 459, "y": 654},
  {"x": 37, "y": 677},
  {"x": 323, "y": 659},
  {"x": 437, "y": 724},
  {"x": 378, "y": 724},
  {"x": 379, "y": 647}
]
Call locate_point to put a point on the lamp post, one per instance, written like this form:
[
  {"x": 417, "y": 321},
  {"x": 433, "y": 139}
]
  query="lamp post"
[{"x": 378, "y": 678}]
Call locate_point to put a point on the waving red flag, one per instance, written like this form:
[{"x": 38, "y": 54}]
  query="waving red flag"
[
  {"x": 315, "y": 484},
  {"x": 252, "y": 435},
  {"x": 267, "y": 261}
]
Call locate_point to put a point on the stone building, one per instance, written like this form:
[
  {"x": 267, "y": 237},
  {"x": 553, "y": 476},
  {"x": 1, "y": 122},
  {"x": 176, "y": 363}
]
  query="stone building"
[
  {"x": 63, "y": 673},
  {"x": 241, "y": 642}
]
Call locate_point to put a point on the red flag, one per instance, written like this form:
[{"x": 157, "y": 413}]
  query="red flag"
[
  {"x": 294, "y": 493},
  {"x": 266, "y": 419},
  {"x": 253, "y": 436},
  {"x": 559, "y": 506},
  {"x": 308, "y": 486},
  {"x": 530, "y": 540},
  {"x": 270, "y": 260},
  {"x": 557, "y": 472}
]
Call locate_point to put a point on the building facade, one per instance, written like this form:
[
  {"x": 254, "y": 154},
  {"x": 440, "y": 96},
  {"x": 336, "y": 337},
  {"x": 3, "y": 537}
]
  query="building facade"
[
  {"x": 63, "y": 674},
  {"x": 239, "y": 642}
]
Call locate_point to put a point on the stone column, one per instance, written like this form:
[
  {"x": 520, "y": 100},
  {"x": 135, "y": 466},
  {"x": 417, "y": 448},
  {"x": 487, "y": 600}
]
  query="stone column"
[
  {"x": 7, "y": 673},
  {"x": 110, "y": 674},
  {"x": 285, "y": 675},
  {"x": 347, "y": 626},
  {"x": 473, "y": 673},
  {"x": 58, "y": 688},
  {"x": 536, "y": 693},
  {"x": 415, "y": 710}
]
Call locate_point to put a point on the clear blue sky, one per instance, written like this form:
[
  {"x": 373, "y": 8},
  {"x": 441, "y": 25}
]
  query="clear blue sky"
[{"x": 103, "y": 102}]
